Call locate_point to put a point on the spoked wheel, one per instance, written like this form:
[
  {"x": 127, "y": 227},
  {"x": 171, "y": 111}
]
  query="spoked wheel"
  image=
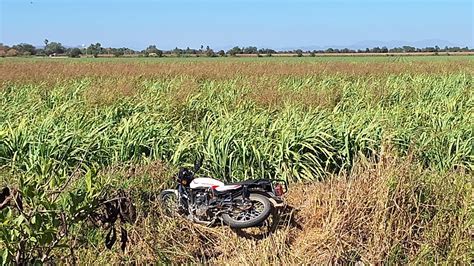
[
  {"x": 265, "y": 229},
  {"x": 169, "y": 202},
  {"x": 248, "y": 214}
]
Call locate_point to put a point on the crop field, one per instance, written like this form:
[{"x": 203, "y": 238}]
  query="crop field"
[{"x": 378, "y": 151}]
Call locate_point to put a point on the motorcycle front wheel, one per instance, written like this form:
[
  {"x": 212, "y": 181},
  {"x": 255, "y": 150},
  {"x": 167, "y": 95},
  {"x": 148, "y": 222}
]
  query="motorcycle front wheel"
[
  {"x": 169, "y": 201},
  {"x": 255, "y": 215}
]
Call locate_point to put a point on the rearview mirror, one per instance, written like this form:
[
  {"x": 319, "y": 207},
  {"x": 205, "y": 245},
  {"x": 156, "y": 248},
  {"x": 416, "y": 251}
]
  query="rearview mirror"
[{"x": 197, "y": 164}]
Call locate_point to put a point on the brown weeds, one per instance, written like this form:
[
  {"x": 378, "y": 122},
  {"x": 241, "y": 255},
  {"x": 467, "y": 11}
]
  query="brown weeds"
[
  {"x": 179, "y": 94},
  {"x": 105, "y": 91},
  {"x": 386, "y": 212},
  {"x": 271, "y": 98},
  {"x": 47, "y": 70}
]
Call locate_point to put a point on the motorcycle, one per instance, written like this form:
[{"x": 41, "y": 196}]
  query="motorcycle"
[{"x": 207, "y": 201}]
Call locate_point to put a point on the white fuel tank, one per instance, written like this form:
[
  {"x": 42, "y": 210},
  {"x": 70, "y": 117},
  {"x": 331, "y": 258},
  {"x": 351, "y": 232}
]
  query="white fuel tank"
[{"x": 205, "y": 182}]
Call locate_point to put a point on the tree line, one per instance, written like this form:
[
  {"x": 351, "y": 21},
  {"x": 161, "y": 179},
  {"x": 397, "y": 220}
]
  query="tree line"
[{"x": 95, "y": 50}]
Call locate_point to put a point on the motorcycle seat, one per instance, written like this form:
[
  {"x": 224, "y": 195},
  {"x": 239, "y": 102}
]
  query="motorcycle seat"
[{"x": 246, "y": 182}]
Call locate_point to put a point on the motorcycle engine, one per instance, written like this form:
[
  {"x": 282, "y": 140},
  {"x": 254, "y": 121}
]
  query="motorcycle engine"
[{"x": 201, "y": 205}]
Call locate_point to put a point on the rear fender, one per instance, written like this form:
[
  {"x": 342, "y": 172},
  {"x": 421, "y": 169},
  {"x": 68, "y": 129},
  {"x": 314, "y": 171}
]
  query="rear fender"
[{"x": 276, "y": 202}]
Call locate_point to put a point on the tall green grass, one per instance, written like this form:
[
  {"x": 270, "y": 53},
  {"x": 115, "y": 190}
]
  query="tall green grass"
[
  {"x": 396, "y": 150},
  {"x": 237, "y": 126}
]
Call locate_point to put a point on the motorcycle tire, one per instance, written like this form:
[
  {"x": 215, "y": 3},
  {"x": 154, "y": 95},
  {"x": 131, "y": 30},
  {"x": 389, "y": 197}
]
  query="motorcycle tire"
[
  {"x": 169, "y": 201},
  {"x": 243, "y": 220}
]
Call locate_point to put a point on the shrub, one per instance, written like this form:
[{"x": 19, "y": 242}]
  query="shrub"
[
  {"x": 75, "y": 53},
  {"x": 299, "y": 53},
  {"x": 12, "y": 52},
  {"x": 38, "y": 223},
  {"x": 118, "y": 53}
]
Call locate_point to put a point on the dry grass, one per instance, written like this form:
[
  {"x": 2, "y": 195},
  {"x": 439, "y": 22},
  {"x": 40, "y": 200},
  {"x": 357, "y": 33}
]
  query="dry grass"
[
  {"x": 41, "y": 71},
  {"x": 180, "y": 91},
  {"x": 105, "y": 91},
  {"x": 387, "y": 211},
  {"x": 265, "y": 83},
  {"x": 384, "y": 212}
]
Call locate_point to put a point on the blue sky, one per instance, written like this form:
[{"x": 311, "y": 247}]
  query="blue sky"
[{"x": 223, "y": 23}]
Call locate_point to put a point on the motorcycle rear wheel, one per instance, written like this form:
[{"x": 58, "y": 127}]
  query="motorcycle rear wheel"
[{"x": 259, "y": 212}]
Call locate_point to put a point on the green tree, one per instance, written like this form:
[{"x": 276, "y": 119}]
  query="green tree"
[
  {"x": 210, "y": 52},
  {"x": 409, "y": 49},
  {"x": 299, "y": 53},
  {"x": 178, "y": 51},
  {"x": 234, "y": 51},
  {"x": 376, "y": 50},
  {"x": 54, "y": 48},
  {"x": 94, "y": 49},
  {"x": 25, "y": 49},
  {"x": 117, "y": 52},
  {"x": 151, "y": 49},
  {"x": 75, "y": 53},
  {"x": 40, "y": 52},
  {"x": 250, "y": 50}
]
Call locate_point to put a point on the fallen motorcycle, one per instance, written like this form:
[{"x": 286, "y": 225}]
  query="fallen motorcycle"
[{"x": 208, "y": 201}]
